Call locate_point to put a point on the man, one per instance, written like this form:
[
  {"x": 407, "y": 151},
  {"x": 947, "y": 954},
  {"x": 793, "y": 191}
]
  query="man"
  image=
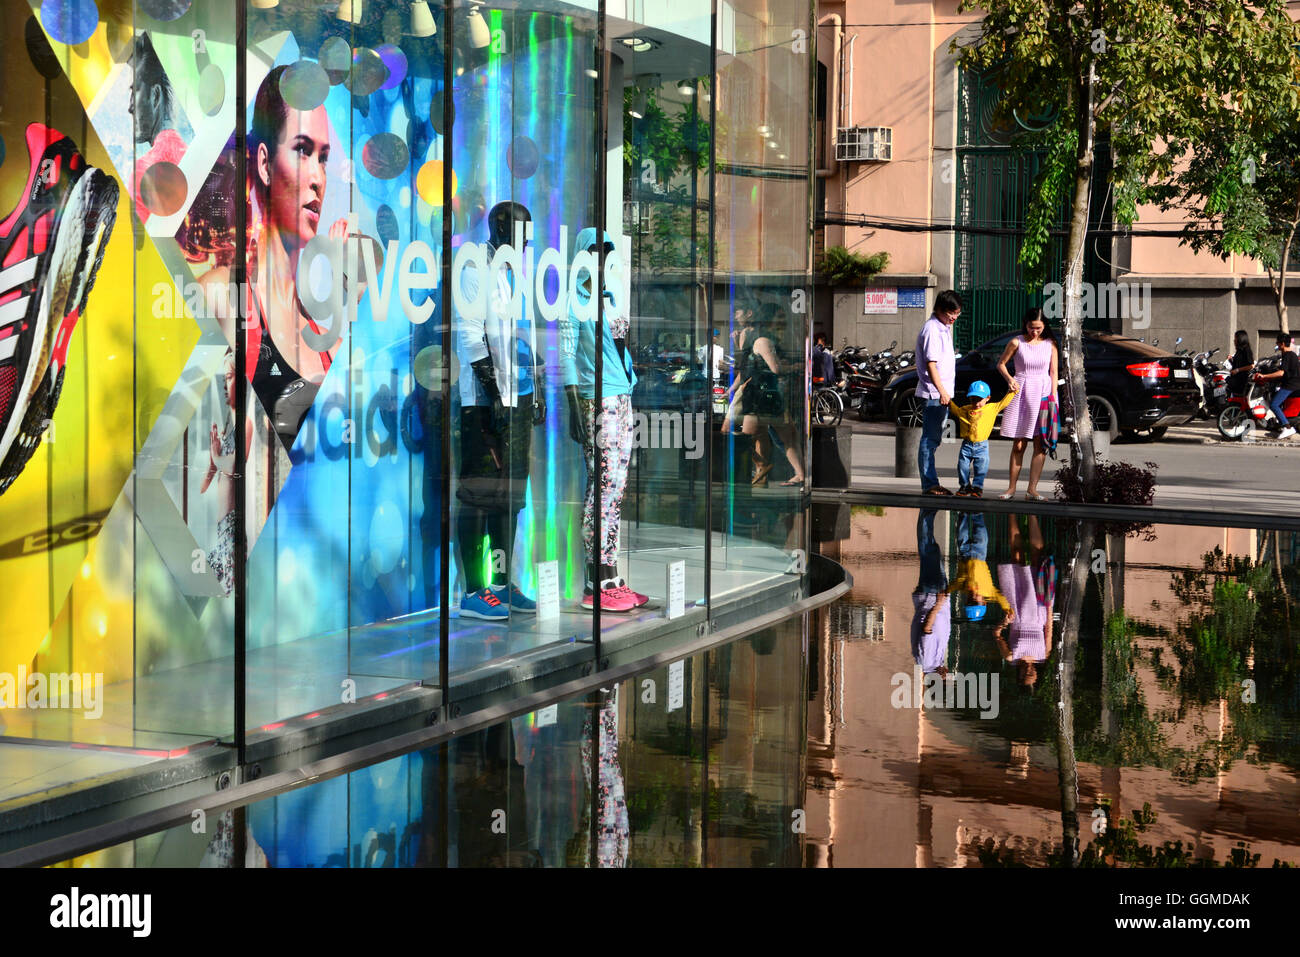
[
  {"x": 823, "y": 362},
  {"x": 1290, "y": 376},
  {"x": 936, "y": 367}
]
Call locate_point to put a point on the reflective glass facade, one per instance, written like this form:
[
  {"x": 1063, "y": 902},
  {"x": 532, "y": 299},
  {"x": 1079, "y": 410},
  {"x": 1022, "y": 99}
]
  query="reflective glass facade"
[{"x": 351, "y": 347}]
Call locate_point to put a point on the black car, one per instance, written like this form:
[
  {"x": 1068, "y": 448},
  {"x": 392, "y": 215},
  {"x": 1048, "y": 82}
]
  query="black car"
[{"x": 1132, "y": 386}]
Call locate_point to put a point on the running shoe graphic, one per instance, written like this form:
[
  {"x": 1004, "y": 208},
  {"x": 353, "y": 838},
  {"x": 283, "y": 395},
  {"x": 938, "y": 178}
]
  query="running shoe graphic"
[{"x": 51, "y": 247}]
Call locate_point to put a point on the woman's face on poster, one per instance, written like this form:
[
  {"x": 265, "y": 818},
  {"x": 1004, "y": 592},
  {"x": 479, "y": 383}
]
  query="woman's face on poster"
[{"x": 295, "y": 175}]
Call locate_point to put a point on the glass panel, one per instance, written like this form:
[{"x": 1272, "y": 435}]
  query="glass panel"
[
  {"x": 117, "y": 635},
  {"x": 660, "y": 183},
  {"x": 522, "y": 152},
  {"x": 762, "y": 260}
]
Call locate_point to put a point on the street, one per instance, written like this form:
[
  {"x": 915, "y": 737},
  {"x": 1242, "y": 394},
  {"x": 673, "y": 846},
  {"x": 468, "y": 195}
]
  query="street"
[{"x": 1196, "y": 468}]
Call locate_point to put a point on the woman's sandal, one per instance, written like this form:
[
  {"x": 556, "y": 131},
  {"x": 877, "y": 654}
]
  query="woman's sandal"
[
  {"x": 793, "y": 481},
  {"x": 1007, "y": 496},
  {"x": 760, "y": 475},
  {"x": 1034, "y": 497}
]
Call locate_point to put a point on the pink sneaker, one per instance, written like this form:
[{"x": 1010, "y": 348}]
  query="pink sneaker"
[
  {"x": 613, "y": 598},
  {"x": 639, "y": 598}
]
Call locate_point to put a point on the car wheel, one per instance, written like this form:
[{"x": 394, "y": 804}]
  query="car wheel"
[
  {"x": 1233, "y": 422},
  {"x": 1156, "y": 434},
  {"x": 1103, "y": 415},
  {"x": 910, "y": 411}
]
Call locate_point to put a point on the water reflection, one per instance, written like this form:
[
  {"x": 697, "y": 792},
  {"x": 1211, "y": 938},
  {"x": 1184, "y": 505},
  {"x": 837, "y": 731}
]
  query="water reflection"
[{"x": 1075, "y": 696}]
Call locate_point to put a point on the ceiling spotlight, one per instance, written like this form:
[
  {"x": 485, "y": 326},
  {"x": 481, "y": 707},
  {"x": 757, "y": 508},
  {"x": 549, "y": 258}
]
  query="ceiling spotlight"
[
  {"x": 479, "y": 34},
  {"x": 771, "y": 144},
  {"x": 780, "y": 156},
  {"x": 635, "y": 115},
  {"x": 685, "y": 88},
  {"x": 422, "y": 24},
  {"x": 638, "y": 44},
  {"x": 350, "y": 11},
  {"x": 266, "y": 4},
  {"x": 592, "y": 73},
  {"x": 764, "y": 130}
]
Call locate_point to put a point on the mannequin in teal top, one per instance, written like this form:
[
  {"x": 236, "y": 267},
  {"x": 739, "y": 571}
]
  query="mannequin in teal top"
[{"x": 612, "y": 434}]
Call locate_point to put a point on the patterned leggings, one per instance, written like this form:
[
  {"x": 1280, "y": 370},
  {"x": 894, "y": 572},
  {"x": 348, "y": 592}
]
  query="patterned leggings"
[{"x": 614, "y": 433}]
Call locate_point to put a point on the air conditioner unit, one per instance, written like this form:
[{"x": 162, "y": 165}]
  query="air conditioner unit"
[{"x": 865, "y": 144}]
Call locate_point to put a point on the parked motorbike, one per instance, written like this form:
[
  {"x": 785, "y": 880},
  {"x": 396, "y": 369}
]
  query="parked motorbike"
[
  {"x": 1250, "y": 410},
  {"x": 1212, "y": 379}
]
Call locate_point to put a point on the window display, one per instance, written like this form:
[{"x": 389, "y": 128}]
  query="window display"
[{"x": 347, "y": 347}]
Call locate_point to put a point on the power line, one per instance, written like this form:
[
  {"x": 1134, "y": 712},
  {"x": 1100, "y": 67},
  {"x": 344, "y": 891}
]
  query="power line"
[{"x": 899, "y": 226}]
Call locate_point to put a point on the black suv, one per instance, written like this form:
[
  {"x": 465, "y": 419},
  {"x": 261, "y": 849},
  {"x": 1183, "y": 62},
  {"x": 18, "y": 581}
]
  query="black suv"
[{"x": 1132, "y": 386}]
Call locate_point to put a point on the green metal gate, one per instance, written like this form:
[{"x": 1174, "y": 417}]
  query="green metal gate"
[{"x": 994, "y": 180}]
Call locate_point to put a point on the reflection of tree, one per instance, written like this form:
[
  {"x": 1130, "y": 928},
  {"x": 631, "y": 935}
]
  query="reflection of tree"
[
  {"x": 1238, "y": 631},
  {"x": 1121, "y": 845}
]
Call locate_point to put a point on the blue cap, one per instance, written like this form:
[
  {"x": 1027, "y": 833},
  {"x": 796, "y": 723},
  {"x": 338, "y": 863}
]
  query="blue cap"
[
  {"x": 979, "y": 389},
  {"x": 976, "y": 612}
]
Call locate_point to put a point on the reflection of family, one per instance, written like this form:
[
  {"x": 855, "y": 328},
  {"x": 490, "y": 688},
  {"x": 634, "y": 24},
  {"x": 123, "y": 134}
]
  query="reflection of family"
[
  {"x": 1025, "y": 591},
  {"x": 1029, "y": 407}
]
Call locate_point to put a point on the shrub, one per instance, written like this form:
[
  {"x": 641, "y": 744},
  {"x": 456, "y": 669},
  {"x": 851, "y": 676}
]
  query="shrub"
[
  {"x": 840, "y": 267},
  {"x": 1114, "y": 483}
]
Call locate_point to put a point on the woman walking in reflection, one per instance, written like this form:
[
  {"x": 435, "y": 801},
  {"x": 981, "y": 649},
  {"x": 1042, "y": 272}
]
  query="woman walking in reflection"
[
  {"x": 765, "y": 405},
  {"x": 1036, "y": 364},
  {"x": 1029, "y": 582}
]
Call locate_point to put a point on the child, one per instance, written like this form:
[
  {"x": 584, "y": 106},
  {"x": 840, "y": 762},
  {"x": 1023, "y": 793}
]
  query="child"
[{"x": 976, "y": 419}]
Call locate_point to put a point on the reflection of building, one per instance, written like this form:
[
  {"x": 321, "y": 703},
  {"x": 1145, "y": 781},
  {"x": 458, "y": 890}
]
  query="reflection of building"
[{"x": 906, "y": 786}]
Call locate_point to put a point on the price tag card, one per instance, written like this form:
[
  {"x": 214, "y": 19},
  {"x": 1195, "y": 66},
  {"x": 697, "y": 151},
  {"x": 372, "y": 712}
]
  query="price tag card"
[
  {"x": 547, "y": 716},
  {"x": 676, "y": 685},
  {"x": 548, "y": 590},
  {"x": 676, "y": 589}
]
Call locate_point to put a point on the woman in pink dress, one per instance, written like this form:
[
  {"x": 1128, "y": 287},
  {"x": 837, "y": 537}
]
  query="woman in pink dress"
[{"x": 1036, "y": 358}]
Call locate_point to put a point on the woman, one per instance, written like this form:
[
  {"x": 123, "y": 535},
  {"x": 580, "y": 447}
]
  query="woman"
[
  {"x": 1036, "y": 364},
  {"x": 1242, "y": 361},
  {"x": 1029, "y": 583},
  {"x": 764, "y": 404},
  {"x": 742, "y": 343},
  {"x": 288, "y": 151}
]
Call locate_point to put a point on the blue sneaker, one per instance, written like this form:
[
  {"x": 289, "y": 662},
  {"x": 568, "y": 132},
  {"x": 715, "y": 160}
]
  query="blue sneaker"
[
  {"x": 518, "y": 600},
  {"x": 483, "y": 604}
]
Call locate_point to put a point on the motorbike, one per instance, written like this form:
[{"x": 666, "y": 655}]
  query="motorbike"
[
  {"x": 1212, "y": 379},
  {"x": 1250, "y": 410}
]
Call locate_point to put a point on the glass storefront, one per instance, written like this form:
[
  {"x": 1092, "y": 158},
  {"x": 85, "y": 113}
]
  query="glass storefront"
[{"x": 357, "y": 347}]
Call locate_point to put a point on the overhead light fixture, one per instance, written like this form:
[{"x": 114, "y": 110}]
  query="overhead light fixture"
[
  {"x": 764, "y": 130},
  {"x": 266, "y": 4},
  {"x": 592, "y": 73},
  {"x": 771, "y": 144},
  {"x": 350, "y": 11},
  {"x": 638, "y": 44},
  {"x": 479, "y": 34},
  {"x": 635, "y": 115},
  {"x": 422, "y": 24},
  {"x": 780, "y": 156},
  {"x": 685, "y": 88}
]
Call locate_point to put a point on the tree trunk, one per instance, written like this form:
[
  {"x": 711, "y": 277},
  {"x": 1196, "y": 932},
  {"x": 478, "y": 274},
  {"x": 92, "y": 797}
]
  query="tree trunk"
[
  {"x": 1067, "y": 768},
  {"x": 1082, "y": 455}
]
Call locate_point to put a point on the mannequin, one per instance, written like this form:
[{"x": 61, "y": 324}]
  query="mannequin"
[
  {"x": 501, "y": 401},
  {"x": 614, "y": 429}
]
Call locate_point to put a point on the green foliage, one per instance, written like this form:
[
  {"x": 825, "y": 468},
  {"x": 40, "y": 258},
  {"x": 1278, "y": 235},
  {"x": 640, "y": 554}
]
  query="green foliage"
[
  {"x": 1173, "y": 79},
  {"x": 840, "y": 267}
]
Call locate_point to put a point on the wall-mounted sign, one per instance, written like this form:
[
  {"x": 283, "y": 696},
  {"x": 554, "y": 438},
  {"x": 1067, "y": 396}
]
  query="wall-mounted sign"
[
  {"x": 913, "y": 297},
  {"x": 880, "y": 302}
]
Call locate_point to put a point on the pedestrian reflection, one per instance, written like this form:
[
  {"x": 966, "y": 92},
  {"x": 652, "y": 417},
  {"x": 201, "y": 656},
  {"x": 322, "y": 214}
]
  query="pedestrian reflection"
[
  {"x": 1029, "y": 582},
  {"x": 974, "y": 582},
  {"x": 931, "y": 611}
]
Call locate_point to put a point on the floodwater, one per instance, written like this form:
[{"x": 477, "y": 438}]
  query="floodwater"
[{"x": 996, "y": 690}]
